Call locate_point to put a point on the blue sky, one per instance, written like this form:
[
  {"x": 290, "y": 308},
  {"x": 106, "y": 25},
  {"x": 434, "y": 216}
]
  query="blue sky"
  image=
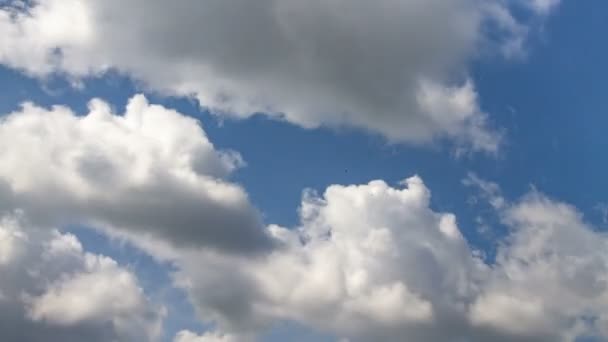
[{"x": 548, "y": 103}]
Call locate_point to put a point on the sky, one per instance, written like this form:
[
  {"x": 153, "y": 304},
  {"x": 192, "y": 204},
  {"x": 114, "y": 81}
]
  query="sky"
[{"x": 280, "y": 170}]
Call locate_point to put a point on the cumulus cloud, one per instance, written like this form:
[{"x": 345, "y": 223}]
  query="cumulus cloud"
[
  {"x": 149, "y": 172},
  {"x": 550, "y": 275},
  {"x": 367, "y": 262},
  {"x": 374, "y": 262},
  {"x": 53, "y": 290},
  {"x": 397, "y": 68}
]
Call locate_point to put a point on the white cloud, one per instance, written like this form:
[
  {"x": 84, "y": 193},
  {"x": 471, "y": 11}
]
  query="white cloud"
[
  {"x": 188, "y": 336},
  {"x": 53, "y": 290},
  {"x": 104, "y": 290},
  {"x": 550, "y": 274},
  {"x": 543, "y": 6},
  {"x": 489, "y": 191},
  {"x": 373, "y": 262},
  {"x": 150, "y": 173},
  {"x": 397, "y": 68},
  {"x": 369, "y": 261}
]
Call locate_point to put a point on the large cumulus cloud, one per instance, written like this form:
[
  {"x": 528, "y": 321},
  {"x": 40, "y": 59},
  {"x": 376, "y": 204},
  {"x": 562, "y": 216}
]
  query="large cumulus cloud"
[
  {"x": 150, "y": 173},
  {"x": 53, "y": 290},
  {"x": 393, "y": 67},
  {"x": 367, "y": 262},
  {"x": 373, "y": 262}
]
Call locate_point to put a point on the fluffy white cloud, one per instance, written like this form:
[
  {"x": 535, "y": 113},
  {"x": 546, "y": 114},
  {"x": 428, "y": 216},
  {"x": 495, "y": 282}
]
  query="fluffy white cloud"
[
  {"x": 550, "y": 275},
  {"x": 373, "y": 262},
  {"x": 398, "y": 68},
  {"x": 53, "y": 290},
  {"x": 369, "y": 261},
  {"x": 150, "y": 172}
]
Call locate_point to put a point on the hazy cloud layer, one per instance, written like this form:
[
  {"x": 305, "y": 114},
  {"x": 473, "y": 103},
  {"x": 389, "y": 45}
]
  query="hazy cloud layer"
[{"x": 397, "y": 68}]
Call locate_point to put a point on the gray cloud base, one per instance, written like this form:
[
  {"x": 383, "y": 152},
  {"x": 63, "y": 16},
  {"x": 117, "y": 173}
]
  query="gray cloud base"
[{"x": 394, "y": 68}]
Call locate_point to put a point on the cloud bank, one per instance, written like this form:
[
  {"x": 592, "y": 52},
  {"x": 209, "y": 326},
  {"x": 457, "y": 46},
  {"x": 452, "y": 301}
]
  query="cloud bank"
[
  {"x": 394, "y": 68},
  {"x": 373, "y": 262},
  {"x": 367, "y": 262}
]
